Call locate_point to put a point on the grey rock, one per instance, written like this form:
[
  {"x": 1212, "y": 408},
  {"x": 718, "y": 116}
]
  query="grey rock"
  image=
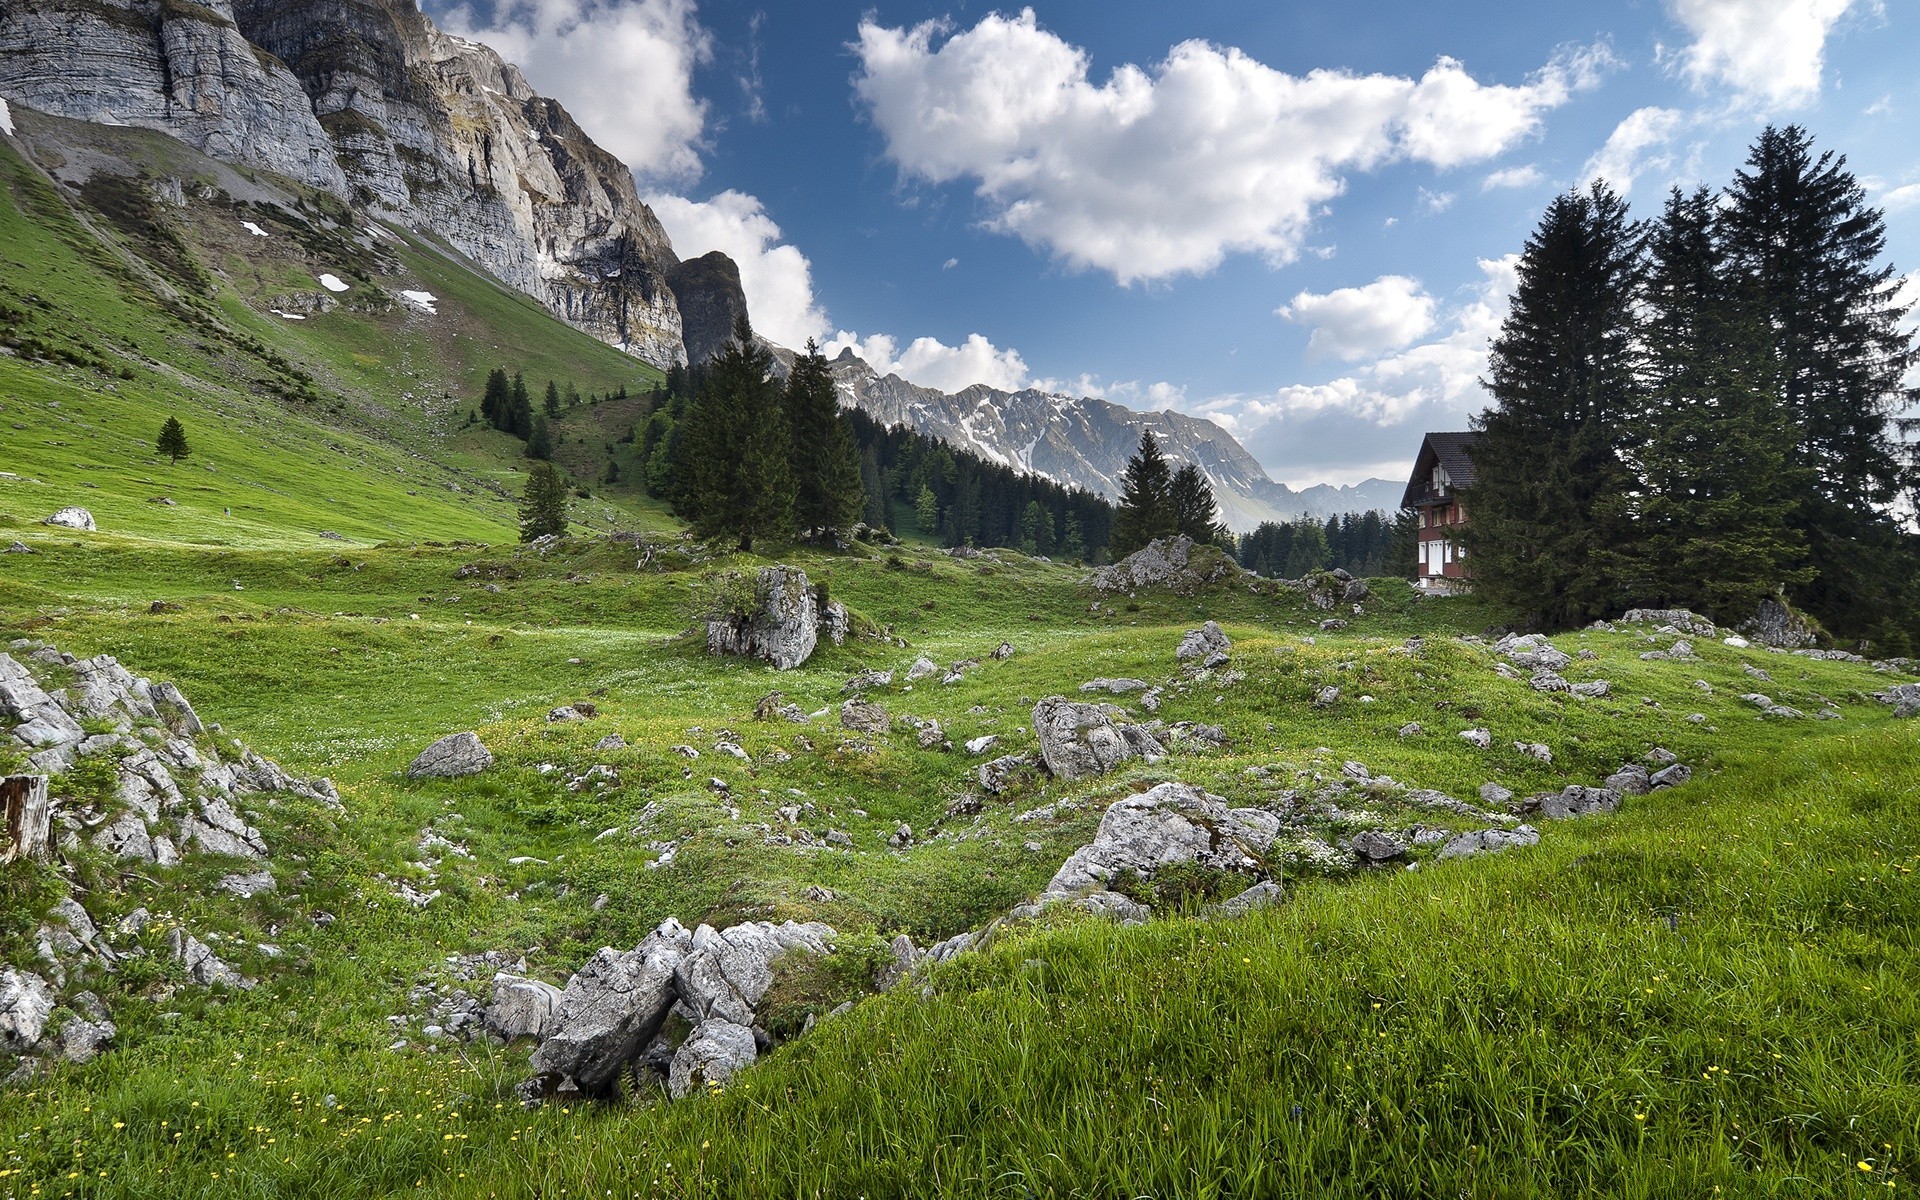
[
  {"x": 1002, "y": 652},
  {"x": 983, "y": 743},
  {"x": 1538, "y": 751},
  {"x": 1165, "y": 562},
  {"x": 1357, "y": 590},
  {"x": 19, "y": 548},
  {"x": 1592, "y": 689},
  {"x": 1171, "y": 823},
  {"x": 81, "y": 1039},
  {"x": 218, "y": 829},
  {"x": 836, "y": 624},
  {"x": 1378, "y": 846},
  {"x": 451, "y": 757},
  {"x": 1007, "y": 772},
  {"x": 725, "y": 973},
  {"x": 930, "y": 735},
  {"x": 1483, "y": 841},
  {"x": 782, "y": 627},
  {"x": 1479, "y": 738},
  {"x": 1080, "y": 740},
  {"x": 1577, "y": 801},
  {"x": 1204, "y": 644},
  {"x": 868, "y": 679},
  {"x": 1411, "y": 729},
  {"x": 1264, "y": 894},
  {"x": 71, "y": 518},
  {"x": 1630, "y": 780},
  {"x": 26, "y": 1004},
  {"x": 612, "y": 741},
  {"x": 716, "y": 1051},
  {"x": 246, "y": 887},
  {"x": 1778, "y": 626},
  {"x": 1904, "y": 697},
  {"x": 922, "y": 668},
  {"x": 1680, "y": 619},
  {"x": 1671, "y": 776},
  {"x": 522, "y": 1007},
  {"x": 1532, "y": 652},
  {"x": 1326, "y": 697},
  {"x": 1495, "y": 796},
  {"x": 203, "y": 965},
  {"x": 861, "y": 717},
  {"x": 1117, "y": 687},
  {"x": 611, "y": 1009}
]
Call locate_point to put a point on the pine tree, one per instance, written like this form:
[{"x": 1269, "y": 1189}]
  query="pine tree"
[
  {"x": 520, "y": 410},
  {"x": 1073, "y": 543},
  {"x": 543, "y": 505},
  {"x": 1549, "y": 504},
  {"x": 552, "y": 400},
  {"x": 735, "y": 453},
  {"x": 873, "y": 483},
  {"x": 1033, "y": 521},
  {"x": 926, "y": 511},
  {"x": 1717, "y": 495},
  {"x": 1800, "y": 236},
  {"x": 1146, "y": 509},
  {"x": 540, "y": 440},
  {"x": 173, "y": 440},
  {"x": 825, "y": 467},
  {"x": 496, "y": 406},
  {"x": 1195, "y": 513},
  {"x": 1306, "y": 550}
]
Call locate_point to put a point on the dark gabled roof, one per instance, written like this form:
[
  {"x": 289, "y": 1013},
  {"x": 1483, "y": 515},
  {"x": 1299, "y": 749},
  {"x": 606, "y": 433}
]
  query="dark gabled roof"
[{"x": 1450, "y": 451}]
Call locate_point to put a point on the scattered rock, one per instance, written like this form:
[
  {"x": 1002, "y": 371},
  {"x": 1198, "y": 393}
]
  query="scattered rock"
[
  {"x": 1575, "y": 801},
  {"x": 1117, "y": 687},
  {"x": 922, "y": 668},
  {"x": 1006, "y": 773},
  {"x": 861, "y": 717},
  {"x": 202, "y": 964},
  {"x": 1326, "y": 697},
  {"x": 780, "y": 626},
  {"x": 246, "y": 887},
  {"x": 609, "y": 1011},
  {"x": 1780, "y": 627},
  {"x": 1484, "y": 841},
  {"x": 1411, "y": 729},
  {"x": 983, "y": 743},
  {"x": 717, "y": 1049},
  {"x": 72, "y": 518},
  {"x": 26, "y": 1003},
  {"x": 1207, "y": 645},
  {"x": 1175, "y": 563},
  {"x": 1002, "y": 652},
  {"x": 1671, "y": 776},
  {"x": 1264, "y": 894},
  {"x": 1479, "y": 738},
  {"x": 1495, "y": 796},
  {"x": 1375, "y": 846},
  {"x": 522, "y": 1007},
  {"x": 1171, "y": 823},
  {"x": 453, "y": 756},
  {"x": 1535, "y": 750}
]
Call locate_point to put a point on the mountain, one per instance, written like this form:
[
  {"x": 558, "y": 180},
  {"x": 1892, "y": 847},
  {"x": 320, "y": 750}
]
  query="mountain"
[
  {"x": 368, "y": 101},
  {"x": 1086, "y": 442}
]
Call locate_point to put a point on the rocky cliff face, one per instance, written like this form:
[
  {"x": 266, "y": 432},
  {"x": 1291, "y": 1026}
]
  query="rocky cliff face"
[
  {"x": 1085, "y": 442},
  {"x": 368, "y": 100},
  {"x": 710, "y": 297}
]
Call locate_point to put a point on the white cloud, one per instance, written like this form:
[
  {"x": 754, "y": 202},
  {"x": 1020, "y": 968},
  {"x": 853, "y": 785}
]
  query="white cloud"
[
  {"x": 931, "y": 363},
  {"x": 1768, "y": 51},
  {"x": 950, "y": 264},
  {"x": 1904, "y": 196},
  {"x": 572, "y": 50},
  {"x": 777, "y": 279},
  {"x": 1359, "y": 322},
  {"x": 1160, "y": 172},
  {"x": 1636, "y": 146},
  {"x": 1512, "y": 177}
]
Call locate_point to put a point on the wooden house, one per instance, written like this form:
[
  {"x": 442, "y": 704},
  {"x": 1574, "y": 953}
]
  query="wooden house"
[{"x": 1433, "y": 496}]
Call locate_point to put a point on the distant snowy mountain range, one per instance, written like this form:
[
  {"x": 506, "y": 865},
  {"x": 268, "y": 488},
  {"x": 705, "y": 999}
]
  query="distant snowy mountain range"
[{"x": 1086, "y": 442}]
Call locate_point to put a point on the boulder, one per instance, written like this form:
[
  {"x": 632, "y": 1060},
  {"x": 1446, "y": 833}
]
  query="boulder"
[
  {"x": 26, "y": 1002},
  {"x": 1175, "y": 563},
  {"x": 522, "y": 1007},
  {"x": 922, "y": 668},
  {"x": 1778, "y": 626},
  {"x": 246, "y": 887},
  {"x": 1671, "y": 776},
  {"x": 709, "y": 1058},
  {"x": 1485, "y": 841},
  {"x": 1207, "y": 645},
  {"x": 1576, "y": 801},
  {"x": 1494, "y": 796},
  {"x": 611, "y": 1009},
  {"x": 203, "y": 965},
  {"x": 451, "y": 757},
  {"x": 82, "y": 1037},
  {"x": 1005, "y": 773},
  {"x": 1079, "y": 740},
  {"x": 1171, "y": 823},
  {"x": 1681, "y": 620},
  {"x": 724, "y": 973},
  {"x": 862, "y": 717},
  {"x": 1116, "y": 687},
  {"x": 983, "y": 743},
  {"x": 1478, "y": 738},
  {"x": 1630, "y": 780},
  {"x": 1264, "y": 894},
  {"x": 781, "y": 625},
  {"x": 1904, "y": 697},
  {"x": 1375, "y": 846},
  {"x": 72, "y": 517},
  {"x": 1532, "y": 652}
]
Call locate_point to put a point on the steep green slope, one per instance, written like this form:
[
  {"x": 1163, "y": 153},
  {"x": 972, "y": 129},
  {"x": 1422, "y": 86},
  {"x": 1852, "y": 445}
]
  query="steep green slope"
[{"x": 119, "y": 308}]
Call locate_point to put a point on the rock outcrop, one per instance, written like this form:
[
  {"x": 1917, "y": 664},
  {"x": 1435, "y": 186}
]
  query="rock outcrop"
[
  {"x": 1207, "y": 645},
  {"x": 710, "y": 297},
  {"x": 1175, "y": 563},
  {"x": 452, "y": 757},
  {"x": 1170, "y": 824},
  {"x": 781, "y": 624}
]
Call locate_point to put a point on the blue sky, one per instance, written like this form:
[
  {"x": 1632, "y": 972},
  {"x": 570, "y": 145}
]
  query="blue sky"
[{"x": 1297, "y": 219}]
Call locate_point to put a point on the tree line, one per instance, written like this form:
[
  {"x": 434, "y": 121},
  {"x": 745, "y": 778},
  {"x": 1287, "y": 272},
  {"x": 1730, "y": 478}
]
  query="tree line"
[
  {"x": 1366, "y": 545},
  {"x": 1704, "y": 410},
  {"x": 507, "y": 405}
]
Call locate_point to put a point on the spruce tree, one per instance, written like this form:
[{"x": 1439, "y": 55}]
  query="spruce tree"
[
  {"x": 926, "y": 511},
  {"x": 543, "y": 505},
  {"x": 1550, "y": 503},
  {"x": 735, "y": 453},
  {"x": 1801, "y": 238},
  {"x": 520, "y": 410},
  {"x": 1718, "y": 494},
  {"x": 1146, "y": 500},
  {"x": 173, "y": 440},
  {"x": 540, "y": 440},
  {"x": 552, "y": 400},
  {"x": 1195, "y": 513},
  {"x": 827, "y": 494},
  {"x": 1073, "y": 542},
  {"x": 496, "y": 406}
]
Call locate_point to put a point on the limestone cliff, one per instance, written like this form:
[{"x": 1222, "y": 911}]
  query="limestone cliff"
[
  {"x": 368, "y": 100},
  {"x": 710, "y": 297}
]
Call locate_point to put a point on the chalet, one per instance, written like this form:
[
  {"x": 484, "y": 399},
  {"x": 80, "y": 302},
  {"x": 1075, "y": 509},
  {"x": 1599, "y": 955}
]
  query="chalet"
[{"x": 1441, "y": 470}]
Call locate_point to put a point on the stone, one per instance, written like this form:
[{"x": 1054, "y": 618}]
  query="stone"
[
  {"x": 1538, "y": 751},
  {"x": 26, "y": 1004},
  {"x": 868, "y": 679},
  {"x": 522, "y": 1007},
  {"x": 1264, "y": 894},
  {"x": 453, "y": 756},
  {"x": 1168, "y": 824},
  {"x": 1002, "y": 652},
  {"x": 717, "y": 1050},
  {"x": 1904, "y": 697},
  {"x": 246, "y": 887},
  {"x": 1630, "y": 780},
  {"x": 72, "y": 518},
  {"x": 1548, "y": 681},
  {"x": 1205, "y": 645},
  {"x": 611, "y": 1009},
  {"x": 567, "y": 712},
  {"x": 725, "y": 973},
  {"x": 1116, "y": 687},
  {"x": 1080, "y": 740},
  {"x": 1671, "y": 776},
  {"x": 1681, "y": 620},
  {"x": 1532, "y": 652},
  {"x": 1357, "y": 590},
  {"x": 922, "y": 668},
  {"x": 1326, "y": 697},
  {"x": 930, "y": 735},
  {"x": 983, "y": 743},
  {"x": 19, "y": 548},
  {"x": 218, "y": 829},
  {"x": 861, "y": 717},
  {"x": 203, "y": 965},
  {"x": 612, "y": 741},
  {"x": 1577, "y": 801},
  {"x": 1411, "y": 729},
  {"x": 1495, "y": 796},
  {"x": 1485, "y": 841},
  {"x": 1478, "y": 738},
  {"x": 1592, "y": 689},
  {"x": 1006, "y": 773},
  {"x": 1375, "y": 846},
  {"x": 1775, "y": 624},
  {"x": 782, "y": 625},
  {"x": 80, "y": 1039},
  {"x": 1175, "y": 563}
]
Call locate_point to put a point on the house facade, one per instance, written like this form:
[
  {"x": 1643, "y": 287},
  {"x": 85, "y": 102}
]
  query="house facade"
[{"x": 1433, "y": 496}]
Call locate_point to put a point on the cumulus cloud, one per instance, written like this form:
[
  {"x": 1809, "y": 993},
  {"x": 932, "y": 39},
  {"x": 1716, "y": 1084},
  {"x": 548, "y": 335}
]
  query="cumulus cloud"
[
  {"x": 1164, "y": 171},
  {"x": 1359, "y": 322},
  {"x": 1769, "y": 51},
  {"x": 571, "y": 49},
  {"x": 931, "y": 363},
  {"x": 1904, "y": 196},
  {"x": 777, "y": 278},
  {"x": 1512, "y": 177},
  {"x": 1636, "y": 146}
]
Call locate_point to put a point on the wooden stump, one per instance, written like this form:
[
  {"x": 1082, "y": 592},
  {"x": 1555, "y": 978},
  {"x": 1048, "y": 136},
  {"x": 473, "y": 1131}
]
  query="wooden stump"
[{"x": 29, "y": 816}]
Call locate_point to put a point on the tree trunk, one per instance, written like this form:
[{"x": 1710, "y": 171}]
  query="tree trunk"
[{"x": 29, "y": 815}]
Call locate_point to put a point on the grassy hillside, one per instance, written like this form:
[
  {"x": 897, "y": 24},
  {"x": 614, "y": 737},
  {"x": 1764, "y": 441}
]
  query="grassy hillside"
[
  {"x": 1599, "y": 1014},
  {"x": 118, "y": 309}
]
